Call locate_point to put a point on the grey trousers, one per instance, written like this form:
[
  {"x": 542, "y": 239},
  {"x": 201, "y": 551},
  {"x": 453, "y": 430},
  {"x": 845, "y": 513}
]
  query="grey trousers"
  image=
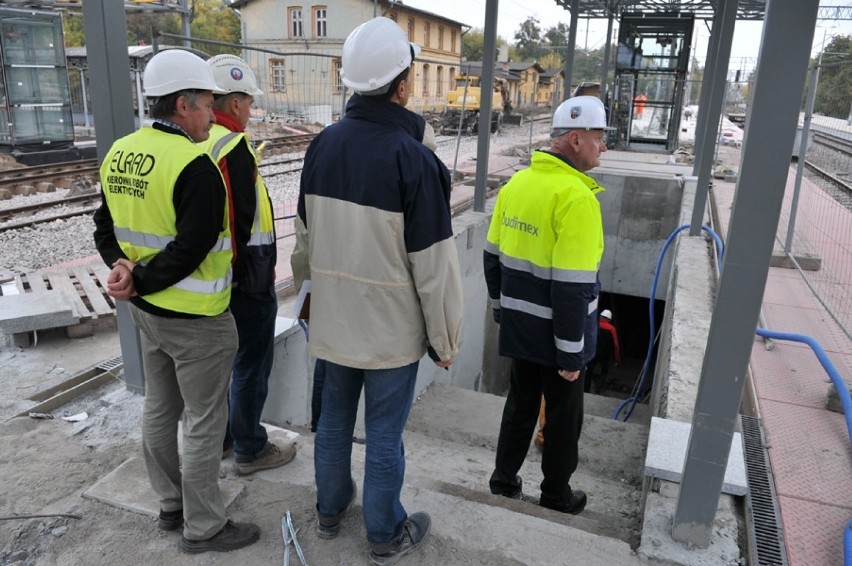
[{"x": 187, "y": 365}]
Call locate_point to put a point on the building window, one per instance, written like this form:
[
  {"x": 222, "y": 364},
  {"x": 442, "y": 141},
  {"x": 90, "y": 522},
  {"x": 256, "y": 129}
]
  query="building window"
[
  {"x": 439, "y": 81},
  {"x": 392, "y": 16},
  {"x": 441, "y": 38},
  {"x": 410, "y": 29},
  {"x": 277, "y": 76},
  {"x": 294, "y": 14},
  {"x": 335, "y": 75},
  {"x": 452, "y": 80},
  {"x": 426, "y": 80},
  {"x": 320, "y": 21},
  {"x": 427, "y": 28},
  {"x": 453, "y": 41}
]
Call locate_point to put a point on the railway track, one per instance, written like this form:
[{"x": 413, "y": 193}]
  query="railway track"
[
  {"x": 23, "y": 216},
  {"x": 64, "y": 174},
  {"x": 834, "y": 143},
  {"x": 830, "y": 158},
  {"x": 29, "y": 180},
  {"x": 287, "y": 144}
]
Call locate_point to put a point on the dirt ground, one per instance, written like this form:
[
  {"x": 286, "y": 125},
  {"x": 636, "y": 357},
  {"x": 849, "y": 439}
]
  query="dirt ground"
[{"x": 47, "y": 465}]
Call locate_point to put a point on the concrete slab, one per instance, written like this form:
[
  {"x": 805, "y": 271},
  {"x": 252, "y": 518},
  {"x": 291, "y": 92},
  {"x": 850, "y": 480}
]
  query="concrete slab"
[
  {"x": 667, "y": 446},
  {"x": 658, "y": 546},
  {"x": 127, "y": 487},
  {"x": 36, "y": 311}
]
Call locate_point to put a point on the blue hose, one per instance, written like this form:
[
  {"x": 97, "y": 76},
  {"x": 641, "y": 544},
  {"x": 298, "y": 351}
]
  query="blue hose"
[
  {"x": 847, "y": 544},
  {"x": 634, "y": 398},
  {"x": 830, "y": 369}
]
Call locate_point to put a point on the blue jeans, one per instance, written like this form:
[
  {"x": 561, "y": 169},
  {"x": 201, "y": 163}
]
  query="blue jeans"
[
  {"x": 388, "y": 395},
  {"x": 255, "y": 319}
]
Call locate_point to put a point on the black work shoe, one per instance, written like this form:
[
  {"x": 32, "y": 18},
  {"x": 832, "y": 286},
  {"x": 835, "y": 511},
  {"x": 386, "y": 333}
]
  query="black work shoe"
[
  {"x": 576, "y": 504},
  {"x": 413, "y": 534},
  {"x": 170, "y": 520},
  {"x": 329, "y": 526},
  {"x": 517, "y": 493},
  {"x": 231, "y": 537}
]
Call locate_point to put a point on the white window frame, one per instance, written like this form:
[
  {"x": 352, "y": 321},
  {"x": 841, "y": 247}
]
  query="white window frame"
[{"x": 278, "y": 75}]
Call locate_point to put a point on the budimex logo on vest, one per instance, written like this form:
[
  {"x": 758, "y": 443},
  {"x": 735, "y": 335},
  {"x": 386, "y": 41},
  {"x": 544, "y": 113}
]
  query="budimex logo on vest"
[
  {"x": 128, "y": 172},
  {"x": 516, "y": 224}
]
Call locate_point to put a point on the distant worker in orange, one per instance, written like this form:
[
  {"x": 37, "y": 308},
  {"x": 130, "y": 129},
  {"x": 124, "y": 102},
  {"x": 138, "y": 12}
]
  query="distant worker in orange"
[{"x": 639, "y": 104}]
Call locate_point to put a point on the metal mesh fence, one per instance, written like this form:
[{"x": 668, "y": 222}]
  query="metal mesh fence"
[{"x": 816, "y": 222}]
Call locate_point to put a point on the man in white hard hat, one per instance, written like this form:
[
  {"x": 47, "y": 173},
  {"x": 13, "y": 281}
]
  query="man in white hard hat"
[
  {"x": 253, "y": 300},
  {"x": 163, "y": 227},
  {"x": 375, "y": 223},
  {"x": 541, "y": 260}
]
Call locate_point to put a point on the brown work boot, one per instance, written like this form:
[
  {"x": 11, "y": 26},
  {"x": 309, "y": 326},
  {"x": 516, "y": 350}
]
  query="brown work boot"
[
  {"x": 272, "y": 456},
  {"x": 232, "y": 537}
]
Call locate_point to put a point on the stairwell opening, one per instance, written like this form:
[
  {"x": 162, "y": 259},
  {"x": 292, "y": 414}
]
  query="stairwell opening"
[{"x": 631, "y": 320}]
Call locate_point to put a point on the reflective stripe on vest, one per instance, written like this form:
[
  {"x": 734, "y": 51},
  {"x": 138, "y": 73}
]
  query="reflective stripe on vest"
[{"x": 220, "y": 143}]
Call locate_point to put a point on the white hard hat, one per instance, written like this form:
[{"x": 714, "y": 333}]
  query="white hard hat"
[
  {"x": 374, "y": 54},
  {"x": 174, "y": 70},
  {"x": 234, "y": 75},
  {"x": 607, "y": 314},
  {"x": 583, "y": 112}
]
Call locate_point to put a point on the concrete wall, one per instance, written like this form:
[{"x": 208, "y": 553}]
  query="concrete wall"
[
  {"x": 639, "y": 212},
  {"x": 686, "y": 325}
]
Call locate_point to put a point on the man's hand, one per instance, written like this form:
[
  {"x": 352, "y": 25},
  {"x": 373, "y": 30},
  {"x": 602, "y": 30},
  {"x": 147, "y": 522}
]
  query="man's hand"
[
  {"x": 569, "y": 375},
  {"x": 120, "y": 281},
  {"x": 446, "y": 365}
]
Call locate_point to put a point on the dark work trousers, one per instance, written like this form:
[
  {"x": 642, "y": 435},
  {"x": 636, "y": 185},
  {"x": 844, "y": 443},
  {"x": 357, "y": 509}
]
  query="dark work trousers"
[
  {"x": 564, "y": 418},
  {"x": 254, "y": 315}
]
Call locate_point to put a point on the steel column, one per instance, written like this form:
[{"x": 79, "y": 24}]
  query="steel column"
[
  {"x": 109, "y": 67},
  {"x": 711, "y": 106},
  {"x": 570, "y": 48},
  {"x": 774, "y": 114},
  {"x": 486, "y": 86},
  {"x": 605, "y": 70}
]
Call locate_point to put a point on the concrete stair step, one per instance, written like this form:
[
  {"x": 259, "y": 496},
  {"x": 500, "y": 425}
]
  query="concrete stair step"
[
  {"x": 608, "y": 449},
  {"x": 463, "y": 471},
  {"x": 450, "y": 483}
]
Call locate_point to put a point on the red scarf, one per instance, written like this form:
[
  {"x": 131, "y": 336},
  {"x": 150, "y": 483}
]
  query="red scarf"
[{"x": 227, "y": 121}]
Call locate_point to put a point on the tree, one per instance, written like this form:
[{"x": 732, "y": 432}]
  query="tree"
[
  {"x": 552, "y": 60},
  {"x": 473, "y": 44},
  {"x": 144, "y": 26},
  {"x": 212, "y": 19},
  {"x": 72, "y": 28},
  {"x": 834, "y": 90},
  {"x": 557, "y": 36},
  {"x": 528, "y": 43}
]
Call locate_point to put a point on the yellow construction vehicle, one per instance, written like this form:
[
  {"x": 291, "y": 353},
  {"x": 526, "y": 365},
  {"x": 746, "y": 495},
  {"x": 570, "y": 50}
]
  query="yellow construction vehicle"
[{"x": 462, "y": 111}]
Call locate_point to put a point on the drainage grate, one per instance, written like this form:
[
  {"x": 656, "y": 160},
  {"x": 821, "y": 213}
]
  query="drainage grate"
[
  {"x": 765, "y": 535},
  {"x": 111, "y": 364}
]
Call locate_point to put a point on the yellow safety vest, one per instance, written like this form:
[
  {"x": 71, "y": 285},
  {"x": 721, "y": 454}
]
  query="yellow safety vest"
[
  {"x": 218, "y": 145},
  {"x": 138, "y": 178}
]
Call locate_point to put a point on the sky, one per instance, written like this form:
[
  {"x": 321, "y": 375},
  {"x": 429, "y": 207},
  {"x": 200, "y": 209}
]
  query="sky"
[{"x": 511, "y": 13}]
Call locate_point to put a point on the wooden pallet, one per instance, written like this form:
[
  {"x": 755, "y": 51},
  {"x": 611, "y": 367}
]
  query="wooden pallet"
[{"x": 86, "y": 285}]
